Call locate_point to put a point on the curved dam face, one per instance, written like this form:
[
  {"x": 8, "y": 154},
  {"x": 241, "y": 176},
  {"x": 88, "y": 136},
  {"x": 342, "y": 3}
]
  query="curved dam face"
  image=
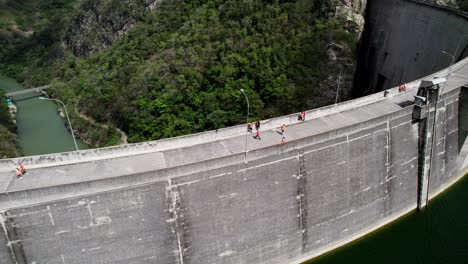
[
  {"x": 403, "y": 41},
  {"x": 347, "y": 170}
]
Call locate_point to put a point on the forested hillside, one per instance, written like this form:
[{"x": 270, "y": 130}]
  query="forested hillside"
[
  {"x": 176, "y": 67},
  {"x": 8, "y": 147}
]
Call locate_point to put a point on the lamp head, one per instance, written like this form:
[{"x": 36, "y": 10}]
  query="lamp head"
[{"x": 447, "y": 53}]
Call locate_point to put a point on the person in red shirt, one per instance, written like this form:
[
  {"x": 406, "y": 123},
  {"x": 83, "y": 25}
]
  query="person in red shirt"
[{"x": 402, "y": 88}]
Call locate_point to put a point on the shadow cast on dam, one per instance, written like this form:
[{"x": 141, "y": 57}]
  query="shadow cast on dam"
[{"x": 403, "y": 41}]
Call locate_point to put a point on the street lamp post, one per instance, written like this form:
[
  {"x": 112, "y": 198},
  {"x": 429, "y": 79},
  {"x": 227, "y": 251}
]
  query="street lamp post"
[
  {"x": 68, "y": 119},
  {"x": 246, "y": 131},
  {"x": 450, "y": 69},
  {"x": 338, "y": 88},
  {"x": 459, "y": 42}
]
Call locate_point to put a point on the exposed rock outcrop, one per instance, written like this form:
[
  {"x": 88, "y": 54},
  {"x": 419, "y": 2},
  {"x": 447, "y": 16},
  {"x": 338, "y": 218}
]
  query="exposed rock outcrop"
[
  {"x": 351, "y": 14},
  {"x": 101, "y": 23}
]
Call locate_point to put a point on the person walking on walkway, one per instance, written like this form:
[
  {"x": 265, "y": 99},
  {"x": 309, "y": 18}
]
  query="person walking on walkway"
[
  {"x": 283, "y": 128},
  {"x": 18, "y": 172},
  {"x": 257, "y": 125},
  {"x": 402, "y": 88},
  {"x": 257, "y": 135},
  {"x": 303, "y": 116},
  {"x": 249, "y": 127},
  {"x": 22, "y": 167},
  {"x": 283, "y": 139}
]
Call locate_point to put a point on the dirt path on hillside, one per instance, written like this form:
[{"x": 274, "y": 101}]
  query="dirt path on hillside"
[{"x": 123, "y": 136}]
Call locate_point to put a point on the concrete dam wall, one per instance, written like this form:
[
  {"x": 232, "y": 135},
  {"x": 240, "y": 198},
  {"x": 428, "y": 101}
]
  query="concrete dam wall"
[
  {"x": 347, "y": 170},
  {"x": 403, "y": 41}
]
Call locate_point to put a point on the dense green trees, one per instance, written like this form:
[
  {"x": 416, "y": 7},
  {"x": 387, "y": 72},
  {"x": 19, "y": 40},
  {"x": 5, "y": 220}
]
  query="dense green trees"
[
  {"x": 463, "y": 5},
  {"x": 7, "y": 131},
  {"x": 180, "y": 69}
]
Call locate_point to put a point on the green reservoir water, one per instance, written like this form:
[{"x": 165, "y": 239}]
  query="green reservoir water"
[
  {"x": 437, "y": 235},
  {"x": 41, "y": 130}
]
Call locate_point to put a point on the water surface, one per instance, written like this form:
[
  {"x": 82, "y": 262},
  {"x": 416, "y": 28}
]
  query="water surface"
[
  {"x": 436, "y": 235},
  {"x": 41, "y": 130}
]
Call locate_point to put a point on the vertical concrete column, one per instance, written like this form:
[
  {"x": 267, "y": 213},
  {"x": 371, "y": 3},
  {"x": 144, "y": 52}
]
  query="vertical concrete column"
[
  {"x": 424, "y": 157},
  {"x": 302, "y": 200},
  {"x": 176, "y": 219},
  {"x": 426, "y": 143}
]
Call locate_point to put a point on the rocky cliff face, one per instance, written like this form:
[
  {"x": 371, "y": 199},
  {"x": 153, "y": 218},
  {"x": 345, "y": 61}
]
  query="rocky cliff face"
[
  {"x": 99, "y": 24},
  {"x": 351, "y": 14}
]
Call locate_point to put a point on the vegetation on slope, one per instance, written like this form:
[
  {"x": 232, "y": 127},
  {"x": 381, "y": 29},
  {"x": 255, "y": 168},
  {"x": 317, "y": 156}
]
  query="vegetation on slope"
[
  {"x": 7, "y": 131},
  {"x": 180, "y": 69},
  {"x": 463, "y": 5}
]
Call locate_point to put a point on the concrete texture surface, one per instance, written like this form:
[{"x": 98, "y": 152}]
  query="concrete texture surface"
[
  {"x": 403, "y": 41},
  {"x": 349, "y": 169}
]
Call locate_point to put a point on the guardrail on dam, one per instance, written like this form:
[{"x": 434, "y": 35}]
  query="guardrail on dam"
[{"x": 349, "y": 169}]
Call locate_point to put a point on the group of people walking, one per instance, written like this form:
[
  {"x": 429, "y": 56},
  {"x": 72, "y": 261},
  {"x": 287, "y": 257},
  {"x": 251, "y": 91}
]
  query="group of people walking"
[
  {"x": 257, "y": 128},
  {"x": 20, "y": 170},
  {"x": 301, "y": 117}
]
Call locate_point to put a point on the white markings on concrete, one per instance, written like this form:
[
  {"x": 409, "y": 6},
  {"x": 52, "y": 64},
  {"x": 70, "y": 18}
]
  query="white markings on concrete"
[
  {"x": 51, "y": 218},
  {"x": 95, "y": 248},
  {"x": 232, "y": 195},
  {"x": 90, "y": 211},
  {"x": 226, "y": 253},
  {"x": 63, "y": 259},
  {"x": 391, "y": 178},
  {"x": 409, "y": 161},
  {"x": 366, "y": 189},
  {"x": 62, "y": 232},
  {"x": 218, "y": 175},
  {"x": 341, "y": 163},
  {"x": 103, "y": 220},
  {"x": 266, "y": 164},
  {"x": 173, "y": 195},
  {"x": 82, "y": 202},
  {"x": 187, "y": 183}
]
